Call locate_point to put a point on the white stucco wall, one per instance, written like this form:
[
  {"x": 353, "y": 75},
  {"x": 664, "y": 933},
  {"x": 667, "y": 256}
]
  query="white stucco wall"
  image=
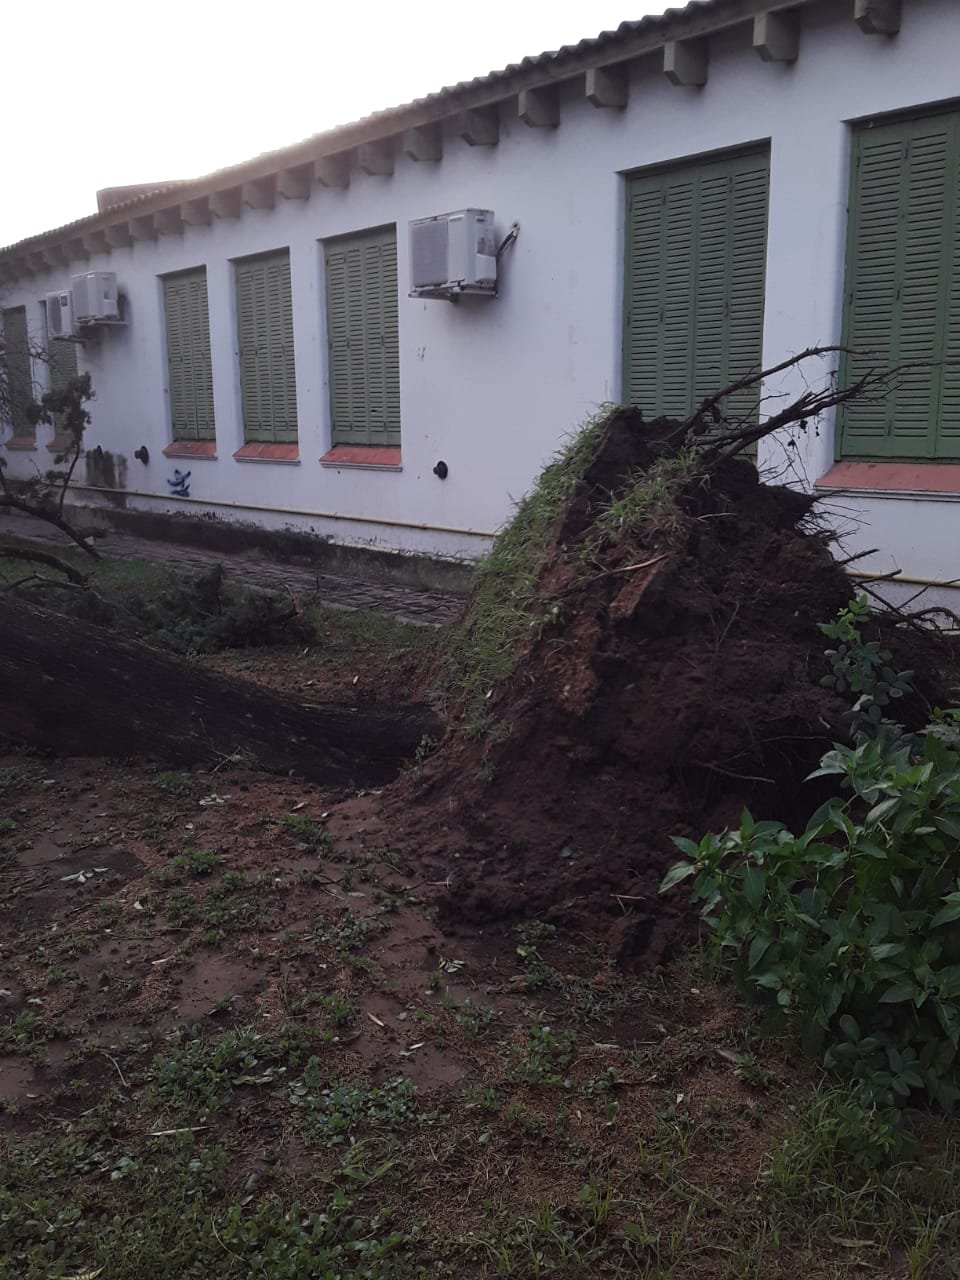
[{"x": 492, "y": 387}]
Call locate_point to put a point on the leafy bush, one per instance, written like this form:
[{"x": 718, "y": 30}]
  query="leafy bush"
[
  {"x": 192, "y": 613},
  {"x": 861, "y": 667},
  {"x": 847, "y": 931}
]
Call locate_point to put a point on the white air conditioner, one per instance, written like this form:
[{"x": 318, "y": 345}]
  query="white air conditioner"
[
  {"x": 453, "y": 253},
  {"x": 60, "y": 314},
  {"x": 95, "y": 297}
]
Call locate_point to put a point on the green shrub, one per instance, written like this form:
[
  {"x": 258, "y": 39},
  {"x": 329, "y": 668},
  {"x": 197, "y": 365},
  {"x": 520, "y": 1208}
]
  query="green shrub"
[
  {"x": 847, "y": 931},
  {"x": 188, "y": 613}
]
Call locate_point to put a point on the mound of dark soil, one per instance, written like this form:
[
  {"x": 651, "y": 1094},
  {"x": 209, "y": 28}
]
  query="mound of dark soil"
[{"x": 674, "y": 681}]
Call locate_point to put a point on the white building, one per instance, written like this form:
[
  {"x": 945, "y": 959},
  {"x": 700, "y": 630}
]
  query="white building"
[{"x": 696, "y": 194}]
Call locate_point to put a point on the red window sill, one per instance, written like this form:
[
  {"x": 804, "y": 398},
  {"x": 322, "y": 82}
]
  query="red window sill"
[
  {"x": 61, "y": 444},
  {"x": 268, "y": 453},
  {"x": 24, "y": 443},
  {"x": 893, "y": 477},
  {"x": 373, "y": 457},
  {"x": 191, "y": 449}
]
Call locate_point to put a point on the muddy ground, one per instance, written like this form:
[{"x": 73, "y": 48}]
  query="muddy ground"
[
  {"x": 251, "y": 1026},
  {"x": 235, "y": 1041}
]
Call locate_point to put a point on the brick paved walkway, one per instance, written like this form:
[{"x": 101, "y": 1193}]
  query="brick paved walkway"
[{"x": 420, "y": 607}]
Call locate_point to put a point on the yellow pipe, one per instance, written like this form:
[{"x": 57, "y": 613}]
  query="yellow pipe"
[
  {"x": 430, "y": 528},
  {"x": 952, "y": 583},
  {"x": 286, "y": 511}
]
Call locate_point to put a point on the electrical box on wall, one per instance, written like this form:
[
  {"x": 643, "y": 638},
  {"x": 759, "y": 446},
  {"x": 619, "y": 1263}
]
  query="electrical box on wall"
[
  {"x": 95, "y": 298},
  {"x": 60, "y": 322},
  {"x": 453, "y": 254}
]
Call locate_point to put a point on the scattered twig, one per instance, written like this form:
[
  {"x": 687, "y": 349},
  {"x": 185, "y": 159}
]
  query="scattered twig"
[
  {"x": 117, "y": 1065},
  {"x": 729, "y": 773},
  {"x": 877, "y": 577},
  {"x": 914, "y": 618},
  {"x": 213, "y": 1228},
  {"x": 859, "y": 555},
  {"x": 631, "y": 568},
  {"x": 628, "y": 897},
  {"x": 166, "y": 1133}
]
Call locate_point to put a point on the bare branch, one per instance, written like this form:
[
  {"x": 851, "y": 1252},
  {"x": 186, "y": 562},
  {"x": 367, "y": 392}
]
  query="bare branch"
[
  {"x": 808, "y": 405},
  {"x": 757, "y": 375},
  {"x": 51, "y": 561},
  {"x": 10, "y": 501}
]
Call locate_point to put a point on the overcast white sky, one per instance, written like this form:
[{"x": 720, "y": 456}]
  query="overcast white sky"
[{"x": 119, "y": 91}]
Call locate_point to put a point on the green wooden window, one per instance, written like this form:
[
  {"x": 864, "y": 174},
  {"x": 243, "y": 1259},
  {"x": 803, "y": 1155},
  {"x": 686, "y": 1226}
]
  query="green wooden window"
[
  {"x": 19, "y": 381},
  {"x": 268, "y": 382},
  {"x": 696, "y": 246},
  {"x": 363, "y": 337},
  {"x": 902, "y": 290},
  {"x": 190, "y": 372}
]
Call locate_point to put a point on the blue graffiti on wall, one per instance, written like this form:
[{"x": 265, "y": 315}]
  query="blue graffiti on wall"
[{"x": 180, "y": 484}]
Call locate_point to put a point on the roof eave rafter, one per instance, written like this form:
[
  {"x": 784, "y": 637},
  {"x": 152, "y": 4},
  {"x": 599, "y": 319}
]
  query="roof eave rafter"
[{"x": 370, "y": 145}]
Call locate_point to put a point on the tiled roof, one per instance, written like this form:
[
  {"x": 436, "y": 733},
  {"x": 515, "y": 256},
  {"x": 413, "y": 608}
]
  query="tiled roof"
[{"x": 630, "y": 39}]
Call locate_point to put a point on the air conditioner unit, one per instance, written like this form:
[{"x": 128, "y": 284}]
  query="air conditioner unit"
[
  {"x": 453, "y": 253},
  {"x": 60, "y": 314},
  {"x": 95, "y": 297}
]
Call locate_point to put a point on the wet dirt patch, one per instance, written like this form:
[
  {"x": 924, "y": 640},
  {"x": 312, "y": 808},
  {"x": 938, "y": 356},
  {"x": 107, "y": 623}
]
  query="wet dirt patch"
[
  {"x": 213, "y": 985},
  {"x": 57, "y": 883},
  {"x": 17, "y": 1078}
]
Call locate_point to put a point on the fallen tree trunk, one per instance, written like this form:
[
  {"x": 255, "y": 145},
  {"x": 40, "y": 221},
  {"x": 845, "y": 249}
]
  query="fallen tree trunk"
[{"x": 77, "y": 689}]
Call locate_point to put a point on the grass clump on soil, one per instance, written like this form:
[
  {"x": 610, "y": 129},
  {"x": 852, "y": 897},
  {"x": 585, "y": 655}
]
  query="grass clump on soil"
[
  {"x": 510, "y": 602},
  {"x": 645, "y": 509},
  {"x": 308, "y": 831},
  {"x": 482, "y": 653}
]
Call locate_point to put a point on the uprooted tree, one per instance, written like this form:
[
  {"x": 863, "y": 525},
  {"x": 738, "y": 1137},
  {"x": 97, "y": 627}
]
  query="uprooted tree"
[
  {"x": 641, "y": 658},
  {"x": 650, "y": 605}
]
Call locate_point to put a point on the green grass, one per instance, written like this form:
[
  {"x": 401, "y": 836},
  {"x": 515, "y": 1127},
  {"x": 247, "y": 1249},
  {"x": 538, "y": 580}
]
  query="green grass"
[
  {"x": 835, "y": 1193},
  {"x": 191, "y": 862},
  {"x": 645, "y": 509},
  {"x": 181, "y": 1218},
  {"x": 331, "y": 1116},
  {"x": 352, "y": 631},
  {"x": 110, "y": 575},
  {"x": 504, "y": 608},
  {"x": 307, "y": 831},
  {"x": 552, "y": 1158},
  {"x": 508, "y": 605}
]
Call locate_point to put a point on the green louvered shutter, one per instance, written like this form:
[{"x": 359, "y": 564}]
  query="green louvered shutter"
[
  {"x": 268, "y": 382},
  {"x": 363, "y": 338},
  {"x": 19, "y": 378},
  {"x": 63, "y": 363},
  {"x": 902, "y": 292},
  {"x": 749, "y": 199},
  {"x": 63, "y": 367},
  {"x": 188, "y": 355},
  {"x": 642, "y": 296},
  {"x": 677, "y": 297},
  {"x": 695, "y": 265},
  {"x": 948, "y": 427}
]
